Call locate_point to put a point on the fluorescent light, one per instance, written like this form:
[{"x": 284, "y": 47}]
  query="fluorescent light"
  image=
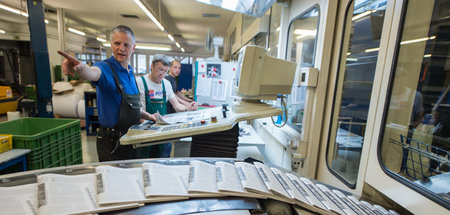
[
  {"x": 417, "y": 40},
  {"x": 352, "y": 59},
  {"x": 170, "y": 37},
  {"x": 10, "y": 9},
  {"x": 361, "y": 15},
  {"x": 13, "y": 10},
  {"x": 150, "y": 15},
  {"x": 427, "y": 55},
  {"x": 305, "y": 32},
  {"x": 177, "y": 44},
  {"x": 2, "y": 31},
  {"x": 46, "y": 21},
  {"x": 301, "y": 36},
  {"x": 157, "y": 47},
  {"x": 101, "y": 39},
  {"x": 372, "y": 50},
  {"x": 76, "y": 31},
  {"x": 182, "y": 49},
  {"x": 148, "y": 47},
  {"x": 349, "y": 53}
]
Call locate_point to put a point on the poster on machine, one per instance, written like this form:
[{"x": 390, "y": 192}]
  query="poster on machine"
[
  {"x": 214, "y": 83},
  {"x": 203, "y": 85},
  {"x": 219, "y": 89}
]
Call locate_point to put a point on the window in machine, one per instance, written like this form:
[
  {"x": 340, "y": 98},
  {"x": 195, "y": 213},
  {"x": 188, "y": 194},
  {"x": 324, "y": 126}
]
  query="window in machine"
[
  {"x": 301, "y": 49},
  {"x": 356, "y": 70},
  {"x": 415, "y": 142}
]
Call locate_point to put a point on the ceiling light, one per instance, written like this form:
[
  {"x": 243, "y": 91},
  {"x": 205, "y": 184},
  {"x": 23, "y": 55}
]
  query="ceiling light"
[
  {"x": 427, "y": 55},
  {"x": 177, "y": 44},
  {"x": 157, "y": 47},
  {"x": 13, "y": 10},
  {"x": 417, "y": 40},
  {"x": 305, "y": 32},
  {"x": 372, "y": 50},
  {"x": 170, "y": 37},
  {"x": 150, "y": 15},
  {"x": 76, "y": 31},
  {"x": 2, "y": 31},
  {"x": 149, "y": 47},
  {"x": 361, "y": 15},
  {"x": 182, "y": 49},
  {"x": 10, "y": 9},
  {"x": 46, "y": 21},
  {"x": 101, "y": 39},
  {"x": 146, "y": 46},
  {"x": 301, "y": 36}
]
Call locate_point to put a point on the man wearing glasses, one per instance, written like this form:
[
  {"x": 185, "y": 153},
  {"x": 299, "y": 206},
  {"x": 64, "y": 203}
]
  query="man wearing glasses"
[{"x": 155, "y": 91}]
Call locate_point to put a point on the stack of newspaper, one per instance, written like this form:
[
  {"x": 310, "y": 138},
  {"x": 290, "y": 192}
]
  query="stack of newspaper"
[{"x": 114, "y": 188}]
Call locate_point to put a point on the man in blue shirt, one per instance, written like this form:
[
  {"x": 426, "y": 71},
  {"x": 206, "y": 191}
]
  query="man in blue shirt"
[{"x": 117, "y": 94}]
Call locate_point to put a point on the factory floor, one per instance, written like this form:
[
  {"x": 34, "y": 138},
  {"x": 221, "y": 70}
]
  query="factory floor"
[{"x": 180, "y": 149}]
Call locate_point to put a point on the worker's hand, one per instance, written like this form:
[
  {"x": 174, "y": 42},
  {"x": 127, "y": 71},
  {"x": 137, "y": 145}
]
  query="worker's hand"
[
  {"x": 192, "y": 106},
  {"x": 70, "y": 64},
  {"x": 152, "y": 117}
]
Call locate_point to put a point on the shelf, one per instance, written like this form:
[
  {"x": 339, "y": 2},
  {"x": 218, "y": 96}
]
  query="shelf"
[{"x": 91, "y": 114}]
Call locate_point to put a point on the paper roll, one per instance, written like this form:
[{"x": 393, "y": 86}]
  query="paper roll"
[
  {"x": 80, "y": 88},
  {"x": 13, "y": 115},
  {"x": 81, "y": 109},
  {"x": 65, "y": 105},
  {"x": 276, "y": 207}
]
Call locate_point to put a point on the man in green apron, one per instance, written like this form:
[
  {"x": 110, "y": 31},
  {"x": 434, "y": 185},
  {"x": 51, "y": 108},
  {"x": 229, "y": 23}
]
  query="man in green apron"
[{"x": 155, "y": 91}]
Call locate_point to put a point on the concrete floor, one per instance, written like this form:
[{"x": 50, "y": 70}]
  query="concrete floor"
[{"x": 181, "y": 149}]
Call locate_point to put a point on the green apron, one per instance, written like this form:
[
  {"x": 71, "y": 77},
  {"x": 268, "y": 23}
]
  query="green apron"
[{"x": 153, "y": 106}]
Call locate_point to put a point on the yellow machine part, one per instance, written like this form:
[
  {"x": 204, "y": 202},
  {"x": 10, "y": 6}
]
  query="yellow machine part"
[{"x": 7, "y": 101}]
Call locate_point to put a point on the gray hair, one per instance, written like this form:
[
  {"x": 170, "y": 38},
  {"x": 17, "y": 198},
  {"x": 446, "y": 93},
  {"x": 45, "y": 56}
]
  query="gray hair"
[
  {"x": 161, "y": 58},
  {"x": 124, "y": 29}
]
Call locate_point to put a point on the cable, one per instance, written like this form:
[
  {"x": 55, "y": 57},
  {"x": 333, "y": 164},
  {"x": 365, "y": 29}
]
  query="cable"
[{"x": 283, "y": 104}]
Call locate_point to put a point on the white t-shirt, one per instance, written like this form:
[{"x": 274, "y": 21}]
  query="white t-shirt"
[{"x": 155, "y": 90}]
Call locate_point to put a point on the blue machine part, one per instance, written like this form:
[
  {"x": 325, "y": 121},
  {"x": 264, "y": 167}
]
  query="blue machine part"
[{"x": 39, "y": 49}]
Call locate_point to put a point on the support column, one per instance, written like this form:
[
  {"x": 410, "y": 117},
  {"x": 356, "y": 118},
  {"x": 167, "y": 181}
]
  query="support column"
[
  {"x": 38, "y": 37},
  {"x": 61, "y": 34}
]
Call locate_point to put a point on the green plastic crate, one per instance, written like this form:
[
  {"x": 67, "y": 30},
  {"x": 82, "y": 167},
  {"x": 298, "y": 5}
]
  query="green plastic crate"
[
  {"x": 30, "y": 92},
  {"x": 53, "y": 142}
]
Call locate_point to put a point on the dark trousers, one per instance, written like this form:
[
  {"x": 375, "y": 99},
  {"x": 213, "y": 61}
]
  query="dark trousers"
[{"x": 109, "y": 148}]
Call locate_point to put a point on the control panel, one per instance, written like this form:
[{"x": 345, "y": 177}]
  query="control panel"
[{"x": 185, "y": 124}]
